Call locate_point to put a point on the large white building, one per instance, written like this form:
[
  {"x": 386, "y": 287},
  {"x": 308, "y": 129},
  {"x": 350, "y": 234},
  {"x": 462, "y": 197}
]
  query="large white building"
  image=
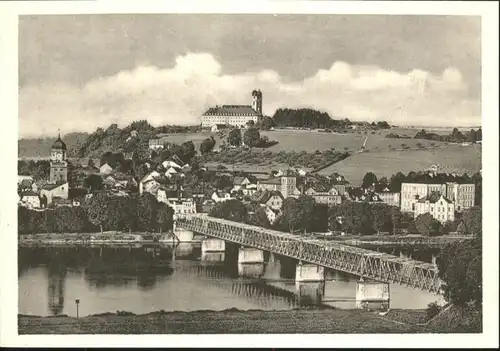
[
  {"x": 462, "y": 195},
  {"x": 234, "y": 115}
]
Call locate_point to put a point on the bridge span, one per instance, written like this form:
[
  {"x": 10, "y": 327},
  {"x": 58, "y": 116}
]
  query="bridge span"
[{"x": 364, "y": 263}]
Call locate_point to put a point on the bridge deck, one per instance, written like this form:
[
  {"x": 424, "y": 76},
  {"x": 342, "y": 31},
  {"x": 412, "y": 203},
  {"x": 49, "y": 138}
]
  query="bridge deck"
[{"x": 355, "y": 260}]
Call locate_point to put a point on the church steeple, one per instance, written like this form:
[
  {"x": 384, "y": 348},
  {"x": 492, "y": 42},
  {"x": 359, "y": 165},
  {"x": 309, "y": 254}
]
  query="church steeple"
[{"x": 58, "y": 163}]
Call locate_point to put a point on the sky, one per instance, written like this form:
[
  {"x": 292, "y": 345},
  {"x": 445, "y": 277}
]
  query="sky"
[{"x": 81, "y": 72}]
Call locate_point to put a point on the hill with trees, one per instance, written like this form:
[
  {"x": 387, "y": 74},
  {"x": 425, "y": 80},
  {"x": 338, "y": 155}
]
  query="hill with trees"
[
  {"x": 307, "y": 118},
  {"x": 40, "y": 147}
]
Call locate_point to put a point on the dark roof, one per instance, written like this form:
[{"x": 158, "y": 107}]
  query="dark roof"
[
  {"x": 264, "y": 196},
  {"x": 59, "y": 144},
  {"x": 231, "y": 110},
  {"x": 288, "y": 173},
  {"x": 270, "y": 181},
  {"x": 29, "y": 193},
  {"x": 433, "y": 198},
  {"x": 52, "y": 186},
  {"x": 238, "y": 180}
]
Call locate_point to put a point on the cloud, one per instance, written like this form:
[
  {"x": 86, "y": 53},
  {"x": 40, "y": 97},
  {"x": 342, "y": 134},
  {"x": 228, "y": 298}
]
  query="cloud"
[{"x": 179, "y": 95}]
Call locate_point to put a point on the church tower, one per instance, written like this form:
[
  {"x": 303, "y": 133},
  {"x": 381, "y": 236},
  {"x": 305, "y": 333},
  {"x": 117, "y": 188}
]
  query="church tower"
[
  {"x": 58, "y": 163},
  {"x": 257, "y": 101}
]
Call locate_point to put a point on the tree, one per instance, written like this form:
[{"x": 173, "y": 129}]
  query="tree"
[
  {"x": 298, "y": 213},
  {"x": 369, "y": 180},
  {"x": 251, "y": 137},
  {"x": 396, "y": 181},
  {"x": 266, "y": 123},
  {"x": 147, "y": 212},
  {"x": 165, "y": 218},
  {"x": 207, "y": 145},
  {"x": 260, "y": 219},
  {"x": 97, "y": 210},
  {"x": 320, "y": 218},
  {"x": 234, "y": 137},
  {"x": 381, "y": 217},
  {"x": 459, "y": 267},
  {"x": 93, "y": 182},
  {"x": 427, "y": 225},
  {"x": 70, "y": 219},
  {"x": 233, "y": 210},
  {"x": 472, "y": 218},
  {"x": 396, "y": 218},
  {"x": 188, "y": 151}
]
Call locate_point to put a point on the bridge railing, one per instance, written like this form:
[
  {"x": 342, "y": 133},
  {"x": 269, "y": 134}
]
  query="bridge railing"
[{"x": 353, "y": 260}]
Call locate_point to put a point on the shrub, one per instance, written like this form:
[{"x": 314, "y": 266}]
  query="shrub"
[{"x": 432, "y": 310}]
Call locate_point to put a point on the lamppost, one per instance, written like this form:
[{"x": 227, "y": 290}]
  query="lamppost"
[{"x": 77, "y": 301}]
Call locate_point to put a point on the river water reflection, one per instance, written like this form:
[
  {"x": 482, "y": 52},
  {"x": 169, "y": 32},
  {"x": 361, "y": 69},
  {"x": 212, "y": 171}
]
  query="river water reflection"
[{"x": 145, "y": 279}]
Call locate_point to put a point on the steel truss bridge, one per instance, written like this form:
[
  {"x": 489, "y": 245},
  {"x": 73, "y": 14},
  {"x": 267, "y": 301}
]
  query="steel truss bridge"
[{"x": 354, "y": 260}]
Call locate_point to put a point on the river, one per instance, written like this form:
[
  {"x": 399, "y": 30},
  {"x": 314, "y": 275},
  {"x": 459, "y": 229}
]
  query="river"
[{"x": 142, "y": 279}]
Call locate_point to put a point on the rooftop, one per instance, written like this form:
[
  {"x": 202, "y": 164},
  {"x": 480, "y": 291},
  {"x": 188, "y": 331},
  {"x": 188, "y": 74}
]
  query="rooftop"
[
  {"x": 52, "y": 186},
  {"x": 231, "y": 110}
]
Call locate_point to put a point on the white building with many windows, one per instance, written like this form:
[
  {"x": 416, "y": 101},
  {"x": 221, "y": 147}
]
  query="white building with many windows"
[
  {"x": 234, "y": 115},
  {"x": 462, "y": 195}
]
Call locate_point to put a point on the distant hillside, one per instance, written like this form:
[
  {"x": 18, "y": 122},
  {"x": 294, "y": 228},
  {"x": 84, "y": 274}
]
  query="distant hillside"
[{"x": 40, "y": 147}]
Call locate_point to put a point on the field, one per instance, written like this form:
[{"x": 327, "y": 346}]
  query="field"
[
  {"x": 453, "y": 158},
  {"x": 310, "y": 141}
]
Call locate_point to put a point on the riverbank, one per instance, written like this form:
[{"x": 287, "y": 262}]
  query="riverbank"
[
  {"x": 303, "y": 321},
  {"x": 106, "y": 238}
]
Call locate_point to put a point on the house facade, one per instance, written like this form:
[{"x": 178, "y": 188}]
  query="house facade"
[
  {"x": 441, "y": 208},
  {"x": 30, "y": 200},
  {"x": 331, "y": 197},
  {"x": 51, "y": 191},
  {"x": 390, "y": 198}
]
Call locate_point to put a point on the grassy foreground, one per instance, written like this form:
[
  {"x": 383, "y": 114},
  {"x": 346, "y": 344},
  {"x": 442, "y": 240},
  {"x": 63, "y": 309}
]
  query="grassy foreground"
[{"x": 318, "y": 321}]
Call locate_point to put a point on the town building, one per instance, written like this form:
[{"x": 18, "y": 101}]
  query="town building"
[
  {"x": 441, "y": 208},
  {"x": 171, "y": 164},
  {"x": 30, "y": 199},
  {"x": 272, "y": 214},
  {"x": 234, "y": 115},
  {"x": 50, "y": 191},
  {"x": 148, "y": 181},
  {"x": 181, "y": 206},
  {"x": 320, "y": 196},
  {"x": 58, "y": 162},
  {"x": 220, "y": 196},
  {"x": 272, "y": 199},
  {"x": 286, "y": 184},
  {"x": 389, "y": 197},
  {"x": 461, "y": 194},
  {"x": 155, "y": 144}
]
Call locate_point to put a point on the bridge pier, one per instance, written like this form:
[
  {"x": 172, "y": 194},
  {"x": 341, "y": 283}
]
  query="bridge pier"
[
  {"x": 252, "y": 270},
  {"x": 213, "y": 257},
  {"x": 372, "y": 294},
  {"x": 213, "y": 245},
  {"x": 184, "y": 236},
  {"x": 305, "y": 272},
  {"x": 250, "y": 255},
  {"x": 310, "y": 292}
]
